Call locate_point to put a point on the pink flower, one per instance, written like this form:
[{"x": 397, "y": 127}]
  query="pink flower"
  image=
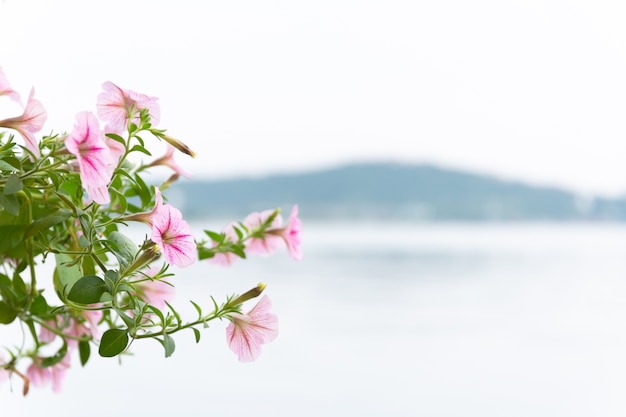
[
  {"x": 273, "y": 235},
  {"x": 54, "y": 374},
  {"x": 173, "y": 235},
  {"x": 268, "y": 243},
  {"x": 291, "y": 234},
  {"x": 226, "y": 258},
  {"x": 247, "y": 332},
  {"x": 30, "y": 122},
  {"x": 118, "y": 106},
  {"x": 93, "y": 317},
  {"x": 94, "y": 157},
  {"x": 116, "y": 148},
  {"x": 168, "y": 160},
  {"x": 73, "y": 327},
  {"x": 6, "y": 90},
  {"x": 46, "y": 335},
  {"x": 146, "y": 217}
]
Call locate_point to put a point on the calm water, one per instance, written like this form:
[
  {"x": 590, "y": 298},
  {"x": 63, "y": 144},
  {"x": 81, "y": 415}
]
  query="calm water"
[{"x": 397, "y": 320}]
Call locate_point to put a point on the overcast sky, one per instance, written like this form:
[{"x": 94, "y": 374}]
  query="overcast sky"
[{"x": 531, "y": 90}]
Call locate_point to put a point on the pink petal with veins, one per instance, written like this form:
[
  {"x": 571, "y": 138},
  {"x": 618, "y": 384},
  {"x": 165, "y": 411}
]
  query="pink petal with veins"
[
  {"x": 6, "y": 90},
  {"x": 247, "y": 332},
  {"x": 173, "y": 235},
  {"x": 94, "y": 157}
]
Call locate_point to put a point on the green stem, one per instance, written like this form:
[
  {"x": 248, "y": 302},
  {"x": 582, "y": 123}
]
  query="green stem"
[
  {"x": 202, "y": 320},
  {"x": 29, "y": 248}
]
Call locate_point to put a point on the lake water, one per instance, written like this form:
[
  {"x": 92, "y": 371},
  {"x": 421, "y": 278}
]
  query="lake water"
[{"x": 391, "y": 319}]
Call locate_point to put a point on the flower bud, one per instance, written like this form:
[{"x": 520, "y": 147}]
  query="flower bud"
[
  {"x": 179, "y": 145},
  {"x": 151, "y": 254},
  {"x": 253, "y": 293},
  {"x": 171, "y": 180}
]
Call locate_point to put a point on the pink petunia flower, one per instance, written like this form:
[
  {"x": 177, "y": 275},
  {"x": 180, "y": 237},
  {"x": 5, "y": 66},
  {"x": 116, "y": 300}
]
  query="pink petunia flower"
[
  {"x": 173, "y": 235},
  {"x": 46, "y": 335},
  {"x": 93, "y": 317},
  {"x": 30, "y": 122},
  {"x": 54, "y": 374},
  {"x": 73, "y": 327},
  {"x": 116, "y": 148},
  {"x": 94, "y": 157},
  {"x": 168, "y": 161},
  {"x": 6, "y": 90},
  {"x": 226, "y": 258},
  {"x": 146, "y": 217},
  {"x": 267, "y": 244},
  {"x": 291, "y": 234},
  {"x": 118, "y": 106},
  {"x": 247, "y": 332}
]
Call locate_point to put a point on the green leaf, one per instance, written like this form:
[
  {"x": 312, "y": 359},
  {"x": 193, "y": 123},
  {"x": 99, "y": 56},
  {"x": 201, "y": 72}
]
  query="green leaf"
[
  {"x": 196, "y": 333},
  {"x": 10, "y": 163},
  {"x": 123, "y": 248},
  {"x": 144, "y": 191},
  {"x": 111, "y": 277},
  {"x": 58, "y": 357},
  {"x": 169, "y": 345},
  {"x": 70, "y": 188},
  {"x": 216, "y": 237},
  {"x": 10, "y": 204},
  {"x": 205, "y": 253},
  {"x": 7, "y": 292},
  {"x": 121, "y": 200},
  {"x": 7, "y": 314},
  {"x": 83, "y": 242},
  {"x": 88, "y": 266},
  {"x": 116, "y": 138},
  {"x": 65, "y": 276},
  {"x": 113, "y": 342},
  {"x": 179, "y": 320},
  {"x": 87, "y": 290},
  {"x": 124, "y": 287},
  {"x": 157, "y": 312},
  {"x": 239, "y": 232},
  {"x": 46, "y": 222},
  {"x": 39, "y": 306},
  {"x": 5, "y": 166},
  {"x": 13, "y": 185},
  {"x": 238, "y": 249},
  {"x": 198, "y": 309},
  {"x": 11, "y": 236},
  {"x": 129, "y": 321},
  {"x": 138, "y": 148},
  {"x": 84, "y": 351},
  {"x": 19, "y": 286},
  {"x": 141, "y": 141},
  {"x": 55, "y": 178}
]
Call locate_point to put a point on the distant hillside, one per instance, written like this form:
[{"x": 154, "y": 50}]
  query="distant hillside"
[{"x": 392, "y": 191}]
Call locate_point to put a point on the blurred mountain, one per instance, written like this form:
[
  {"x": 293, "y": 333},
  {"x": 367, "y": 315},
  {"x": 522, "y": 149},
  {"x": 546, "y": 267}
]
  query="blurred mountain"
[{"x": 391, "y": 191}]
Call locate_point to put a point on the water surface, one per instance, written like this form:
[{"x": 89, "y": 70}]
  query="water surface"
[{"x": 392, "y": 319}]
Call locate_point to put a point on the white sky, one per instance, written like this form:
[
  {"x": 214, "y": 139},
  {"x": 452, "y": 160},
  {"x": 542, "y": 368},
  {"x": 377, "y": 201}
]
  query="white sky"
[{"x": 532, "y": 90}]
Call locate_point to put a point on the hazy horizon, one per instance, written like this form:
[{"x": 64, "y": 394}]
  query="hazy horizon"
[{"x": 528, "y": 90}]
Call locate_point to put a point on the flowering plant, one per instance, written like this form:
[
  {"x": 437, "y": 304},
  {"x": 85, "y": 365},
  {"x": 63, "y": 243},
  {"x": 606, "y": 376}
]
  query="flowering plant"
[{"x": 67, "y": 199}]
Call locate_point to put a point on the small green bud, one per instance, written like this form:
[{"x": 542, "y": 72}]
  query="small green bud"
[{"x": 248, "y": 295}]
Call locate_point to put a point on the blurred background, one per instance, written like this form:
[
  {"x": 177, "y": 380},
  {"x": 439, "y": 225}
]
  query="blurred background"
[{"x": 459, "y": 172}]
